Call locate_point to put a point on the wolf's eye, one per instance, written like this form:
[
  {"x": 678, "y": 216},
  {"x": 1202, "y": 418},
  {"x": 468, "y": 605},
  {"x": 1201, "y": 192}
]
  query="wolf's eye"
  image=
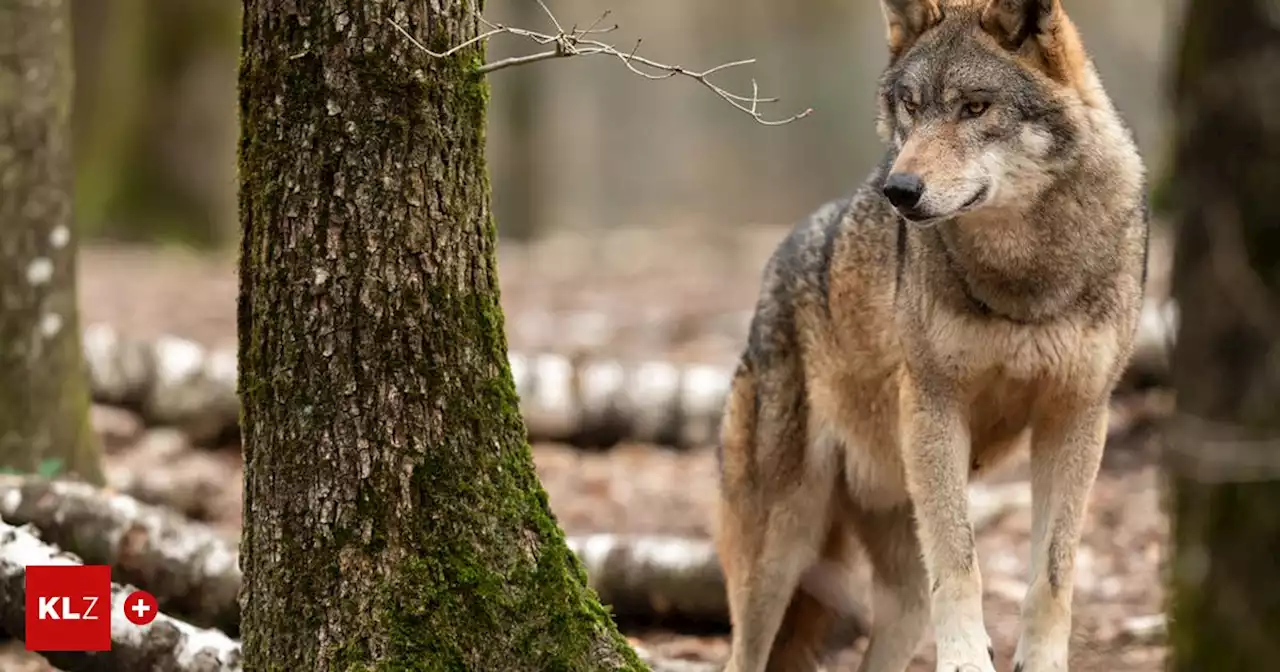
[
  {"x": 974, "y": 109},
  {"x": 907, "y": 104}
]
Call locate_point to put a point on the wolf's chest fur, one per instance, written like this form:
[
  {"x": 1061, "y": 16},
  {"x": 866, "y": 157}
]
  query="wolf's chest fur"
[
  {"x": 1008, "y": 374},
  {"x": 888, "y": 323}
]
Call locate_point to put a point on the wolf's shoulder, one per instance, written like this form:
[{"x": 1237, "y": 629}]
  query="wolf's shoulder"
[
  {"x": 861, "y": 218},
  {"x": 860, "y": 226}
]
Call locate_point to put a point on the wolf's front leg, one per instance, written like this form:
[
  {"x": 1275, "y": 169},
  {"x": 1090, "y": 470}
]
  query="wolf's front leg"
[
  {"x": 1066, "y": 451},
  {"x": 935, "y": 446}
]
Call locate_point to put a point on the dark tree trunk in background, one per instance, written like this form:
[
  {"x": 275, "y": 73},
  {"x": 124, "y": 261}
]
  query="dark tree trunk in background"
[
  {"x": 392, "y": 513},
  {"x": 44, "y": 393},
  {"x": 1226, "y": 498},
  {"x": 155, "y": 119}
]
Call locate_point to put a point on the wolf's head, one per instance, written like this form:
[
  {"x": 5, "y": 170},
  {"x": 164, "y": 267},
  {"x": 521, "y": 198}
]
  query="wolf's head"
[{"x": 983, "y": 103}]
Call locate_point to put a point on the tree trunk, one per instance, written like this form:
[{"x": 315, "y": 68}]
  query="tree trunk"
[
  {"x": 1226, "y": 464},
  {"x": 393, "y": 517},
  {"x": 44, "y": 392}
]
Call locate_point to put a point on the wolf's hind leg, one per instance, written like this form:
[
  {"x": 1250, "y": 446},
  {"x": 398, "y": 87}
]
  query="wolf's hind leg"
[
  {"x": 817, "y": 602},
  {"x": 775, "y": 498},
  {"x": 900, "y": 606}
]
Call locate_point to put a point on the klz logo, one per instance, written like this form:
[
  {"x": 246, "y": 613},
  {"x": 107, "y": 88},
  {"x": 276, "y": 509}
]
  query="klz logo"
[
  {"x": 68, "y": 608},
  {"x": 49, "y": 609}
]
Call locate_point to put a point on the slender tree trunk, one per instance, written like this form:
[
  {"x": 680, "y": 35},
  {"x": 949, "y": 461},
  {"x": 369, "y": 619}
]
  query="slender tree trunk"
[
  {"x": 393, "y": 518},
  {"x": 44, "y": 392},
  {"x": 1226, "y": 462}
]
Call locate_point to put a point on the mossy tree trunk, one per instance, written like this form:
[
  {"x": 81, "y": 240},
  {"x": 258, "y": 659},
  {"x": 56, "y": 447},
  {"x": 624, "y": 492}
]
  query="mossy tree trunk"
[
  {"x": 1226, "y": 496},
  {"x": 393, "y": 518},
  {"x": 44, "y": 393}
]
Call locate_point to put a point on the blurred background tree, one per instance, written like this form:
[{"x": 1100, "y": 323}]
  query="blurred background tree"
[
  {"x": 44, "y": 396},
  {"x": 1226, "y": 459},
  {"x": 155, "y": 119}
]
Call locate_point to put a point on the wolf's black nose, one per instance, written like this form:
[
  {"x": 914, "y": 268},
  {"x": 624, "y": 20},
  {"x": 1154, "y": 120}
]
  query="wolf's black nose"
[{"x": 903, "y": 189}]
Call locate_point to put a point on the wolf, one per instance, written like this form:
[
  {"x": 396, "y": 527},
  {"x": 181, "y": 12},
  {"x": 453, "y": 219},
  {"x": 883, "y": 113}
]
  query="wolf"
[{"x": 978, "y": 295}]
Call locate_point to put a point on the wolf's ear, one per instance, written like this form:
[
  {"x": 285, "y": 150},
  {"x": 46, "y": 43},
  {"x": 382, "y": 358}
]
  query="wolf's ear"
[
  {"x": 907, "y": 20},
  {"x": 1043, "y": 24}
]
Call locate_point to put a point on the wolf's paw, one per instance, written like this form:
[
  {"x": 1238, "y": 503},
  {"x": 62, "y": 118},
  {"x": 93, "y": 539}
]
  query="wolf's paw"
[
  {"x": 954, "y": 661},
  {"x": 962, "y": 640},
  {"x": 1040, "y": 655},
  {"x": 967, "y": 667},
  {"x": 1032, "y": 665}
]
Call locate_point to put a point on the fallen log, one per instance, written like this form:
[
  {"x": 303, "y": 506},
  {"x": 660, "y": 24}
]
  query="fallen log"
[
  {"x": 191, "y": 571},
  {"x": 161, "y": 468},
  {"x": 166, "y": 381},
  {"x": 164, "y": 645},
  {"x": 585, "y": 402},
  {"x": 655, "y": 577}
]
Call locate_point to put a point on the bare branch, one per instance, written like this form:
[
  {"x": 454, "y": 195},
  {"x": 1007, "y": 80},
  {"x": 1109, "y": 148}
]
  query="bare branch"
[{"x": 579, "y": 42}]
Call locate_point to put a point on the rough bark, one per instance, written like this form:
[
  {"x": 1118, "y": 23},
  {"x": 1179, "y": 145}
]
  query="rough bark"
[
  {"x": 393, "y": 518},
  {"x": 164, "y": 645},
  {"x": 191, "y": 571},
  {"x": 1226, "y": 455},
  {"x": 44, "y": 397}
]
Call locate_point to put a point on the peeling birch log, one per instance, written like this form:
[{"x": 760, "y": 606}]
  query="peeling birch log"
[
  {"x": 167, "y": 381},
  {"x": 189, "y": 569},
  {"x": 164, "y": 645},
  {"x": 176, "y": 382},
  {"x": 1157, "y": 329},
  {"x": 654, "y": 576}
]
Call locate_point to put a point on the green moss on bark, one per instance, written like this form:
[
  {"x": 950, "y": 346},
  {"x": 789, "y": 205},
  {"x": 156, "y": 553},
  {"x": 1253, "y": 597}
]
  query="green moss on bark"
[{"x": 393, "y": 517}]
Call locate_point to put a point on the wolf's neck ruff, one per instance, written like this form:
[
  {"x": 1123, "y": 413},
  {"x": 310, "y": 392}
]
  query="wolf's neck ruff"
[
  {"x": 1026, "y": 266},
  {"x": 958, "y": 273}
]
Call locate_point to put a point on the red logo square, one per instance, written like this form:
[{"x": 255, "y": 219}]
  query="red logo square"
[{"x": 68, "y": 608}]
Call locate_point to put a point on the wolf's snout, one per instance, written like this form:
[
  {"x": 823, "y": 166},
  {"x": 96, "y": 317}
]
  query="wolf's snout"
[{"x": 904, "y": 190}]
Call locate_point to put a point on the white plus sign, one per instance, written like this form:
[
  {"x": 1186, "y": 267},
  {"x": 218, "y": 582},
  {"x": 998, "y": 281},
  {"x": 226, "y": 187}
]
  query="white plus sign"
[{"x": 140, "y": 608}]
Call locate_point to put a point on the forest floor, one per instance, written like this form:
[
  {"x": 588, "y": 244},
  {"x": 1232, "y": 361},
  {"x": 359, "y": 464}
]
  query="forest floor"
[{"x": 654, "y": 296}]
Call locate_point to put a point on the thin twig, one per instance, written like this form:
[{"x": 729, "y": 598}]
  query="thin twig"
[{"x": 578, "y": 42}]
